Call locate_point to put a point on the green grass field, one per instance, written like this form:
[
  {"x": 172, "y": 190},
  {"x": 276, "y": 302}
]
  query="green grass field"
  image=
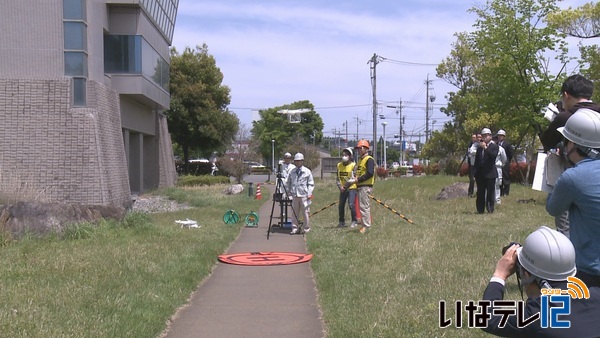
[{"x": 127, "y": 279}]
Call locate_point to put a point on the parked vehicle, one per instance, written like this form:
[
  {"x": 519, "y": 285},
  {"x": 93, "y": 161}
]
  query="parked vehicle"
[{"x": 254, "y": 165}]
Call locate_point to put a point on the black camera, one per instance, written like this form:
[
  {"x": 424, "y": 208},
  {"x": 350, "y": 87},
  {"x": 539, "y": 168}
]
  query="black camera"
[
  {"x": 508, "y": 246},
  {"x": 279, "y": 173}
]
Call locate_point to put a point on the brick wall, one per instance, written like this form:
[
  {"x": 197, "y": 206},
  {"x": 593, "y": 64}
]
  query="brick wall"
[{"x": 72, "y": 155}]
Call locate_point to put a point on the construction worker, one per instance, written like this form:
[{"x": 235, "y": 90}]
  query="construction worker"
[
  {"x": 345, "y": 171},
  {"x": 300, "y": 186},
  {"x": 287, "y": 165},
  {"x": 365, "y": 177}
]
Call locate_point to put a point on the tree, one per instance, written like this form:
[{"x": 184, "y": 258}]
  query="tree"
[
  {"x": 232, "y": 162},
  {"x": 584, "y": 23},
  {"x": 581, "y": 22},
  {"x": 511, "y": 75},
  {"x": 275, "y": 126},
  {"x": 198, "y": 118}
]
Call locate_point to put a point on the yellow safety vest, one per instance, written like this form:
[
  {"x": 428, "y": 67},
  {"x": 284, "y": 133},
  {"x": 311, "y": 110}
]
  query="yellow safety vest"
[
  {"x": 362, "y": 169},
  {"x": 344, "y": 172}
]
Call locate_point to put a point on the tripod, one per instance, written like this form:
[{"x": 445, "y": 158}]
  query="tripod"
[{"x": 280, "y": 196}]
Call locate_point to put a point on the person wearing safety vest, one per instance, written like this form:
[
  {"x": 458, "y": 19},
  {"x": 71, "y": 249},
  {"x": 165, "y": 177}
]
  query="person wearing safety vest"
[
  {"x": 365, "y": 177},
  {"x": 345, "y": 171}
]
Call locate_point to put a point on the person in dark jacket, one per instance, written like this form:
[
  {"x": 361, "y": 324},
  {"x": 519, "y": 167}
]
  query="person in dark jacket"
[
  {"x": 576, "y": 93},
  {"x": 546, "y": 261},
  {"x": 485, "y": 172}
]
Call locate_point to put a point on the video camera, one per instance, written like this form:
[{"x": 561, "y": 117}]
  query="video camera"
[
  {"x": 517, "y": 271},
  {"x": 508, "y": 246},
  {"x": 279, "y": 173}
]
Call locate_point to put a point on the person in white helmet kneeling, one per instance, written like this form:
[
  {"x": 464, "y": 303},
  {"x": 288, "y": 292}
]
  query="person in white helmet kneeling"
[
  {"x": 577, "y": 190},
  {"x": 545, "y": 263}
]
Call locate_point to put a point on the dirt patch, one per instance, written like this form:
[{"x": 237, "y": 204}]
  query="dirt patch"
[{"x": 458, "y": 189}]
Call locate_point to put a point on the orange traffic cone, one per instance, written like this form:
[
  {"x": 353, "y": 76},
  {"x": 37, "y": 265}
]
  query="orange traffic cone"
[{"x": 258, "y": 194}]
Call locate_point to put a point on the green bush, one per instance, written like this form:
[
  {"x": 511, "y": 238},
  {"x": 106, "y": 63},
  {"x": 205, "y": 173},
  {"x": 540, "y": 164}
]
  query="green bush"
[{"x": 190, "y": 180}]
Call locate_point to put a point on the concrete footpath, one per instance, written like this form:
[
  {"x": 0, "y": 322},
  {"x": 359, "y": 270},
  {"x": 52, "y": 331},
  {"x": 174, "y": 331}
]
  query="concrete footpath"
[{"x": 255, "y": 301}]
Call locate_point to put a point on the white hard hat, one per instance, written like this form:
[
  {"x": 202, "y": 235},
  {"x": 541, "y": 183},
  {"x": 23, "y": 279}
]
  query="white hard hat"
[
  {"x": 298, "y": 157},
  {"x": 287, "y": 155},
  {"x": 349, "y": 150},
  {"x": 501, "y": 132},
  {"x": 583, "y": 128},
  {"x": 486, "y": 131},
  {"x": 548, "y": 254}
]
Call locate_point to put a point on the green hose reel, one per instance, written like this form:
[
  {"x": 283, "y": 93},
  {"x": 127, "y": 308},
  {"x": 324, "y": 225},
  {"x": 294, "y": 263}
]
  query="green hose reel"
[{"x": 251, "y": 220}]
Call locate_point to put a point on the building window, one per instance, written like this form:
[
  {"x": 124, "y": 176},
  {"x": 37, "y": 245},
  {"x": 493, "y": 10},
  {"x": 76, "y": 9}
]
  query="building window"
[
  {"x": 132, "y": 54},
  {"x": 75, "y": 35},
  {"x": 76, "y": 64},
  {"x": 74, "y": 10},
  {"x": 79, "y": 91},
  {"x": 163, "y": 13},
  {"x": 122, "y": 54},
  {"x": 75, "y": 48}
]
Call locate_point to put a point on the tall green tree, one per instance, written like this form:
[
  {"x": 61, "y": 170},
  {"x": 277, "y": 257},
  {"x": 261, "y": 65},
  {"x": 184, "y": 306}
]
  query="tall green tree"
[
  {"x": 275, "y": 126},
  {"x": 198, "y": 118},
  {"x": 584, "y": 23},
  {"x": 516, "y": 69}
]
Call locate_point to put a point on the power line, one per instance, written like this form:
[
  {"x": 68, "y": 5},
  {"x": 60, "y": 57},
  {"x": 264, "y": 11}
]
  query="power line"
[{"x": 407, "y": 63}]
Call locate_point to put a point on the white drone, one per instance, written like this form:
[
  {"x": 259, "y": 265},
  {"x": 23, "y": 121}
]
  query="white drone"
[{"x": 294, "y": 115}]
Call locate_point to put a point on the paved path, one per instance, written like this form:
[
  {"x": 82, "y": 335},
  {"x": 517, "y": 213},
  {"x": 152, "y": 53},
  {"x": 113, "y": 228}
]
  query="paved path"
[{"x": 249, "y": 301}]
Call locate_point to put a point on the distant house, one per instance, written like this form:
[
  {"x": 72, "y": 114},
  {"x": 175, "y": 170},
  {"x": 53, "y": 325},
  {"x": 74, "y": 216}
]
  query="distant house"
[{"x": 83, "y": 88}]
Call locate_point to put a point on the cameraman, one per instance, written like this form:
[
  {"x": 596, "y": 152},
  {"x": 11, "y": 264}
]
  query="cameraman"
[
  {"x": 545, "y": 261},
  {"x": 577, "y": 191},
  {"x": 576, "y": 92}
]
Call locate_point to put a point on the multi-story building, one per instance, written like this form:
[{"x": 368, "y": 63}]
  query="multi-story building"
[{"x": 83, "y": 87}]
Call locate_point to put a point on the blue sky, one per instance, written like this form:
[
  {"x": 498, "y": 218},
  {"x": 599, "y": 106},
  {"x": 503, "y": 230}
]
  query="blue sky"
[{"x": 274, "y": 52}]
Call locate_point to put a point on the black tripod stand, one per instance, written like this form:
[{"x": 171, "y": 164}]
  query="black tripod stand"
[{"x": 280, "y": 196}]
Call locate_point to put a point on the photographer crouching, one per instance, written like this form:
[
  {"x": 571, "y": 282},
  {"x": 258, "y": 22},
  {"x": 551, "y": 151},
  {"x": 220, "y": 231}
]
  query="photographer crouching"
[{"x": 544, "y": 262}]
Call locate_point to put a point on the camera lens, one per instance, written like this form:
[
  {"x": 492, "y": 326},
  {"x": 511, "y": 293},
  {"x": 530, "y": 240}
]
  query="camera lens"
[{"x": 508, "y": 246}]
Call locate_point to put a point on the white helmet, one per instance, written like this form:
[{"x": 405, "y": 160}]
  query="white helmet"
[
  {"x": 548, "y": 254},
  {"x": 287, "y": 155},
  {"x": 350, "y": 151},
  {"x": 501, "y": 132},
  {"x": 298, "y": 157},
  {"x": 583, "y": 128},
  {"x": 486, "y": 131}
]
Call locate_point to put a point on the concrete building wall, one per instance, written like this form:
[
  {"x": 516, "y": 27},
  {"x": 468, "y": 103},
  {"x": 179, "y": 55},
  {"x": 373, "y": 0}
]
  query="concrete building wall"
[
  {"x": 31, "y": 43},
  {"x": 167, "y": 177},
  {"x": 97, "y": 154},
  {"x": 72, "y": 155}
]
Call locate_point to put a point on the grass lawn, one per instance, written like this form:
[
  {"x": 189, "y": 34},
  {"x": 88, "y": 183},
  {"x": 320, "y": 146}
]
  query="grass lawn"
[{"x": 127, "y": 279}]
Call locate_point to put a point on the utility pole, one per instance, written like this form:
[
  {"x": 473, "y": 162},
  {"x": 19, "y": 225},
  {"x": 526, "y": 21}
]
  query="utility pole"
[
  {"x": 374, "y": 61},
  {"x": 401, "y": 120},
  {"x": 357, "y": 123},
  {"x": 427, "y": 99},
  {"x": 346, "y": 125}
]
